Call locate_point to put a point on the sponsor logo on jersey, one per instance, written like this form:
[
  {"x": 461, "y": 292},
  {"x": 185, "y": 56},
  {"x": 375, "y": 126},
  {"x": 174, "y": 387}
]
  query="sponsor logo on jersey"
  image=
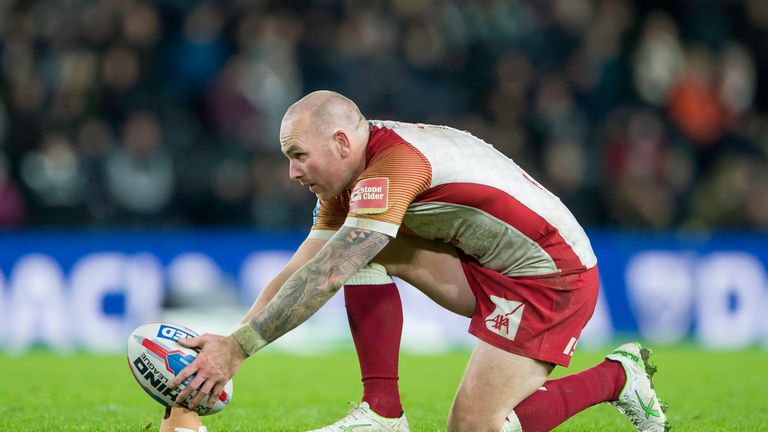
[
  {"x": 505, "y": 319},
  {"x": 173, "y": 333},
  {"x": 369, "y": 196}
]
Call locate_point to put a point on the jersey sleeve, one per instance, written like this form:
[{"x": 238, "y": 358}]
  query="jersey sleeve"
[
  {"x": 383, "y": 192},
  {"x": 329, "y": 216}
]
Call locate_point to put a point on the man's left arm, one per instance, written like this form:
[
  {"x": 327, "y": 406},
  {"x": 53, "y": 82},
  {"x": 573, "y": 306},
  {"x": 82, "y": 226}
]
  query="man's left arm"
[{"x": 349, "y": 250}]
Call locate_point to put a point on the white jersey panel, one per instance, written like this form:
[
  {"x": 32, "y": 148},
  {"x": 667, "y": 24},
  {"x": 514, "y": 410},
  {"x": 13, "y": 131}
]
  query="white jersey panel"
[
  {"x": 460, "y": 157},
  {"x": 493, "y": 243}
]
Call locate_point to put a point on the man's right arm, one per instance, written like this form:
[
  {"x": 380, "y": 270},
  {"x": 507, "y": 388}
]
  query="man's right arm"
[{"x": 306, "y": 251}]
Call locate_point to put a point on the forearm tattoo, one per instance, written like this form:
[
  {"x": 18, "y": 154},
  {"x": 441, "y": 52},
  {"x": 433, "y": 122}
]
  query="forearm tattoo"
[{"x": 318, "y": 280}]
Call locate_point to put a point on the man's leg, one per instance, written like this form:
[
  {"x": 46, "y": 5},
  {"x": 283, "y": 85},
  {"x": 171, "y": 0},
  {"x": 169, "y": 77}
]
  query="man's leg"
[
  {"x": 506, "y": 392},
  {"x": 376, "y": 321},
  {"x": 494, "y": 382},
  {"x": 497, "y": 381},
  {"x": 375, "y": 317},
  {"x": 434, "y": 268},
  {"x": 624, "y": 379},
  {"x": 560, "y": 399}
]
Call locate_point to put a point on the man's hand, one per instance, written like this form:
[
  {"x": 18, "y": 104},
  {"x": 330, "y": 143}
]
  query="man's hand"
[{"x": 217, "y": 362}]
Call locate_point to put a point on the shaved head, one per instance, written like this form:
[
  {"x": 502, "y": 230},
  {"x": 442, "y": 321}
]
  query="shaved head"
[
  {"x": 323, "y": 112},
  {"x": 324, "y": 136}
]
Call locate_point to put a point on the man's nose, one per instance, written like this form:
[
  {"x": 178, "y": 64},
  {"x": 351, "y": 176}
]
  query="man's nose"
[{"x": 294, "y": 171}]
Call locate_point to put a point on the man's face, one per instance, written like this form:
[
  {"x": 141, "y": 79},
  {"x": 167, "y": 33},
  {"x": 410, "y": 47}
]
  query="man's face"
[{"x": 316, "y": 162}]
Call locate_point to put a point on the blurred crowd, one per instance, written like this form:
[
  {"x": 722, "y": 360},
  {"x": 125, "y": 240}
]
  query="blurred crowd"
[{"x": 166, "y": 113}]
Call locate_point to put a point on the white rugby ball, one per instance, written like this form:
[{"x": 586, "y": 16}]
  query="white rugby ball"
[{"x": 155, "y": 358}]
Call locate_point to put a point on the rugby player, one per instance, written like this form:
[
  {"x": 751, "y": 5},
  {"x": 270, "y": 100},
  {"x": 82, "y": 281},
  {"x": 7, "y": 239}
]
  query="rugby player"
[{"x": 446, "y": 212}]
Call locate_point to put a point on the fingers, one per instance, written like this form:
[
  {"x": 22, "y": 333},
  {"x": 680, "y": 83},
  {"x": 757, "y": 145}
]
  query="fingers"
[
  {"x": 185, "y": 373},
  {"x": 215, "y": 394},
  {"x": 193, "y": 385},
  {"x": 202, "y": 392},
  {"x": 191, "y": 342},
  {"x": 206, "y": 374}
]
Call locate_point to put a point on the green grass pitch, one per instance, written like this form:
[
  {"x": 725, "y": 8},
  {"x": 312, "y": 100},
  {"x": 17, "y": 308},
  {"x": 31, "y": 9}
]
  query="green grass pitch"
[{"x": 706, "y": 391}]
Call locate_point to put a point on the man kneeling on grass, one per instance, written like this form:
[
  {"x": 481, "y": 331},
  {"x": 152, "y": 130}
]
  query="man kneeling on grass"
[{"x": 446, "y": 212}]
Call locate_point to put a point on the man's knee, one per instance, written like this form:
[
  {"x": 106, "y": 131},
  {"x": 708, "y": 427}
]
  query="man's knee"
[
  {"x": 465, "y": 421},
  {"x": 495, "y": 382},
  {"x": 471, "y": 414}
]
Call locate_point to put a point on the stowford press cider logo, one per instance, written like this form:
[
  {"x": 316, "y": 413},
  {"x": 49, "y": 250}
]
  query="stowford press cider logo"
[{"x": 369, "y": 196}]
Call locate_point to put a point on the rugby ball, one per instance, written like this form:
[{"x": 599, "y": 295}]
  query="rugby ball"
[{"x": 155, "y": 358}]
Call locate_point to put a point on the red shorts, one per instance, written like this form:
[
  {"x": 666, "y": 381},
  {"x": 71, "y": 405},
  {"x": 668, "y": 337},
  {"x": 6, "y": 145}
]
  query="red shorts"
[{"x": 540, "y": 317}]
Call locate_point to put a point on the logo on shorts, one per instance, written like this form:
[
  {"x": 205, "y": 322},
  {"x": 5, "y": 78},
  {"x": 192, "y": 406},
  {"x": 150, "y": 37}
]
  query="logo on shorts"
[
  {"x": 505, "y": 319},
  {"x": 369, "y": 196}
]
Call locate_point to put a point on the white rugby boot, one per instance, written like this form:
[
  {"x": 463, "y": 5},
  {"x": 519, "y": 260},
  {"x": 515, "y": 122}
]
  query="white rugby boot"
[
  {"x": 638, "y": 400},
  {"x": 361, "y": 418},
  {"x": 181, "y": 420}
]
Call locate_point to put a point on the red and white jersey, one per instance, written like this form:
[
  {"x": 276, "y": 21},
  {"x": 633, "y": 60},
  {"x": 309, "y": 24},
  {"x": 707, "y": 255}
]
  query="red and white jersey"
[{"x": 440, "y": 183}]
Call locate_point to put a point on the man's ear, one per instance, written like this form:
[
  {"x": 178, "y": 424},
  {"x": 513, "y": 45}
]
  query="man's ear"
[{"x": 342, "y": 142}]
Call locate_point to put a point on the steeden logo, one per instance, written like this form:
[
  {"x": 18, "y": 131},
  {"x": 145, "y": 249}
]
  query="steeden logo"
[
  {"x": 173, "y": 333},
  {"x": 370, "y": 196}
]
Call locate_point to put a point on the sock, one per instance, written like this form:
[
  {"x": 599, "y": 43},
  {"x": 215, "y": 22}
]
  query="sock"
[
  {"x": 376, "y": 320},
  {"x": 560, "y": 399}
]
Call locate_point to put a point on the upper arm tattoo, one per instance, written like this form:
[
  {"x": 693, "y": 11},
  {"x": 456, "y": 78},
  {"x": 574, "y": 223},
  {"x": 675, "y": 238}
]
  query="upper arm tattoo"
[{"x": 318, "y": 280}]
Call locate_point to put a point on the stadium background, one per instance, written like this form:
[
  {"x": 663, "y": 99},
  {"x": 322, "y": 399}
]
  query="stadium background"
[{"x": 141, "y": 178}]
